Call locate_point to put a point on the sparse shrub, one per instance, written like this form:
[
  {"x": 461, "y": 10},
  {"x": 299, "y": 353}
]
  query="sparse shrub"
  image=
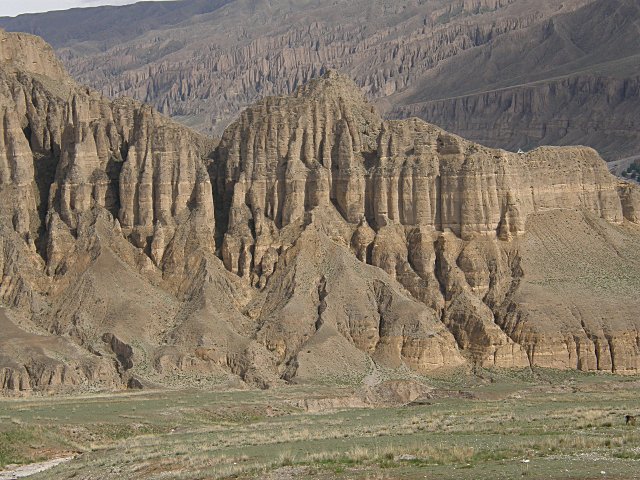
[{"x": 286, "y": 459}]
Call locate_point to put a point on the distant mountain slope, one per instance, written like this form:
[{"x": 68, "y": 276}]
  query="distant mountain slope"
[
  {"x": 573, "y": 79},
  {"x": 108, "y": 25},
  {"x": 508, "y": 73}
]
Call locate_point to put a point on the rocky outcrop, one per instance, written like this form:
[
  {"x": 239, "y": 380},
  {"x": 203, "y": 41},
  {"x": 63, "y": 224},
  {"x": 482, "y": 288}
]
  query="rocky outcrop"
[
  {"x": 32, "y": 55},
  {"x": 630, "y": 198},
  {"x": 79, "y": 175},
  {"x": 313, "y": 240},
  {"x": 441, "y": 215},
  {"x": 38, "y": 362},
  {"x": 120, "y": 156},
  {"x": 14, "y": 380},
  {"x": 323, "y": 311},
  {"x": 325, "y": 147}
]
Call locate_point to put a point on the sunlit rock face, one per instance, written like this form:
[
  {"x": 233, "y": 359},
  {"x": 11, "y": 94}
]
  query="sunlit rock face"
[
  {"x": 314, "y": 239},
  {"x": 444, "y": 217}
]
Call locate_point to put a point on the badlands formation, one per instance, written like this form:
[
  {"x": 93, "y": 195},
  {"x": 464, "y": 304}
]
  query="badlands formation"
[
  {"x": 313, "y": 240},
  {"x": 204, "y": 61}
]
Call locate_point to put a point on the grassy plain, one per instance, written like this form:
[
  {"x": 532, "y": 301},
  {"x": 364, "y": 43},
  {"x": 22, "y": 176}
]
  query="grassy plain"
[{"x": 503, "y": 425}]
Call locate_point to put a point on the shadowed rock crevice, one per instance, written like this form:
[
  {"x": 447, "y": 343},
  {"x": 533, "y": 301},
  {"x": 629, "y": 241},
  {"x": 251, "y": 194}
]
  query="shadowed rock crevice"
[
  {"x": 122, "y": 351},
  {"x": 27, "y": 134},
  {"x": 44, "y": 170},
  {"x": 322, "y": 305}
]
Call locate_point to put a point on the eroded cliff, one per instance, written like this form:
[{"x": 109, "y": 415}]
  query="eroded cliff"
[
  {"x": 506, "y": 73},
  {"x": 314, "y": 239},
  {"x": 79, "y": 172},
  {"x": 444, "y": 217}
]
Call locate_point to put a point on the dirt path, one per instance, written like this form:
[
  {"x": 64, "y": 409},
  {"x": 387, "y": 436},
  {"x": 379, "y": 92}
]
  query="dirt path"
[{"x": 28, "y": 470}]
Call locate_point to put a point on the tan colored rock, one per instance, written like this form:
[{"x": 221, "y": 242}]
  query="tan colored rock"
[
  {"x": 362, "y": 241},
  {"x": 17, "y": 180},
  {"x": 630, "y": 199},
  {"x": 336, "y": 302},
  {"x": 70, "y": 161},
  {"x": 158, "y": 244},
  {"x": 418, "y": 181},
  {"x": 31, "y": 54},
  {"x": 314, "y": 240}
]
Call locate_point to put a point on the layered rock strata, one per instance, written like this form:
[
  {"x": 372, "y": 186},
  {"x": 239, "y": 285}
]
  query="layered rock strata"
[
  {"x": 443, "y": 216},
  {"x": 74, "y": 164},
  {"x": 314, "y": 239},
  {"x": 458, "y": 64}
]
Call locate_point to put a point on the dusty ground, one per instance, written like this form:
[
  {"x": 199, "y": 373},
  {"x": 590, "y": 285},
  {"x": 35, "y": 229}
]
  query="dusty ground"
[
  {"x": 539, "y": 425},
  {"x": 14, "y": 472}
]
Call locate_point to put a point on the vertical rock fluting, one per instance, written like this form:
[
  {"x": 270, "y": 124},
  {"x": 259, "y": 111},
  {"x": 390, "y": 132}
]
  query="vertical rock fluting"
[
  {"x": 342, "y": 238},
  {"x": 398, "y": 187},
  {"x": 283, "y": 154},
  {"x": 119, "y": 156},
  {"x": 287, "y": 156},
  {"x": 70, "y": 159},
  {"x": 17, "y": 180}
]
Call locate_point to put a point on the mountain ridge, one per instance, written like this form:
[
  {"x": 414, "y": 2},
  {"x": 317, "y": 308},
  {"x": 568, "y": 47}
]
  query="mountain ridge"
[
  {"x": 399, "y": 54},
  {"x": 314, "y": 238}
]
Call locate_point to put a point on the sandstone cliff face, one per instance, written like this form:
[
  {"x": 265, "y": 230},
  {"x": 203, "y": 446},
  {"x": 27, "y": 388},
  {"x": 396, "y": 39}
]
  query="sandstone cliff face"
[
  {"x": 314, "y": 239},
  {"x": 68, "y": 154},
  {"x": 442, "y": 216},
  {"x": 325, "y": 147},
  {"x": 26, "y": 53},
  {"x": 120, "y": 156}
]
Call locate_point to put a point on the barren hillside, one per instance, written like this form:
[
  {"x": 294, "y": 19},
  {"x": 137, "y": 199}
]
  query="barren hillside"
[
  {"x": 506, "y": 73},
  {"x": 313, "y": 241}
]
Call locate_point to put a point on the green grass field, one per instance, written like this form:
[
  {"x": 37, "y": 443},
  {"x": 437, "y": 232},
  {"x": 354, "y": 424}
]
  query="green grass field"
[{"x": 548, "y": 425}]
